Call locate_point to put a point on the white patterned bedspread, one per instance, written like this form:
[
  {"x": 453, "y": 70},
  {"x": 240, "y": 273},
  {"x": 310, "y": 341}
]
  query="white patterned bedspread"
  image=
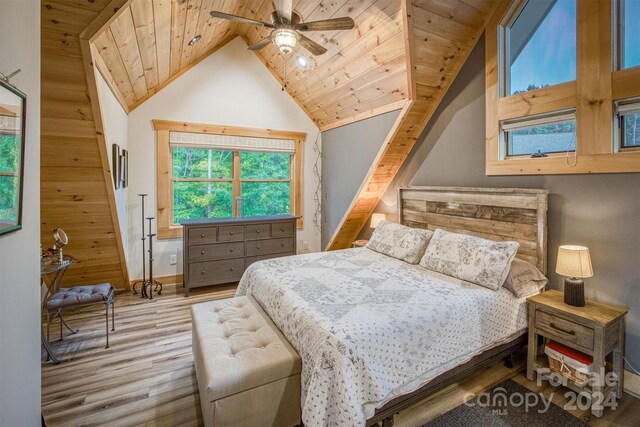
[{"x": 370, "y": 327}]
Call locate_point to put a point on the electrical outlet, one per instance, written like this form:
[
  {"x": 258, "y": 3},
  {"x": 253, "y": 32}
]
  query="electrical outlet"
[
  {"x": 173, "y": 259},
  {"x": 305, "y": 246}
]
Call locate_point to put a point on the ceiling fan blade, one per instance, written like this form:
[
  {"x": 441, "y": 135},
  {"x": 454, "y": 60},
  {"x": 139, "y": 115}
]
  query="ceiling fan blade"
[
  {"x": 284, "y": 9},
  {"x": 240, "y": 19},
  {"x": 310, "y": 45},
  {"x": 262, "y": 43},
  {"x": 345, "y": 23}
]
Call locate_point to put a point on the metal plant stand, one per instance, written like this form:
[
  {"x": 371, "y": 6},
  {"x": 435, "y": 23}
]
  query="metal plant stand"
[
  {"x": 149, "y": 285},
  {"x": 144, "y": 254}
]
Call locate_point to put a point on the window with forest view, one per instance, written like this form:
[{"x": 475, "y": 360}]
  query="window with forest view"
[
  {"x": 207, "y": 182},
  {"x": 9, "y": 184}
]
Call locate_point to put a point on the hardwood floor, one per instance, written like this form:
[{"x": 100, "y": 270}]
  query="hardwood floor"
[{"x": 147, "y": 378}]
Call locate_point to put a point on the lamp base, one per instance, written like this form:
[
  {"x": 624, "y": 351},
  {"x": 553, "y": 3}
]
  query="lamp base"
[{"x": 574, "y": 292}]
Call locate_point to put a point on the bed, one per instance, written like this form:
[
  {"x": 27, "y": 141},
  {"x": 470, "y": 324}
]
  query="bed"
[{"x": 377, "y": 334}]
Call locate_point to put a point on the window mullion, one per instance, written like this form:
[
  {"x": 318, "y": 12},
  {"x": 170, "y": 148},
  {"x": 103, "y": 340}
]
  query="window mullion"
[{"x": 236, "y": 190}]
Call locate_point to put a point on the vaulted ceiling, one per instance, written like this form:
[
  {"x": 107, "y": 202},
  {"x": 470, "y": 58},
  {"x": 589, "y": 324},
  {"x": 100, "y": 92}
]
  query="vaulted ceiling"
[{"x": 146, "y": 45}]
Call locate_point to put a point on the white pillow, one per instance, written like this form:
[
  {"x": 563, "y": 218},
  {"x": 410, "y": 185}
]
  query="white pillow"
[
  {"x": 480, "y": 261},
  {"x": 524, "y": 278},
  {"x": 397, "y": 241}
]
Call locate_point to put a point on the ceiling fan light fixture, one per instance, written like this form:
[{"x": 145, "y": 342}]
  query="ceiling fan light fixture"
[
  {"x": 302, "y": 62},
  {"x": 195, "y": 40},
  {"x": 285, "y": 40}
]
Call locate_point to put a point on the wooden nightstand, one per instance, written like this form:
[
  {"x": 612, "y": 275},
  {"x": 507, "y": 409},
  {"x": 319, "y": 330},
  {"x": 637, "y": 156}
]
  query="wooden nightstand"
[
  {"x": 359, "y": 243},
  {"x": 596, "y": 329}
]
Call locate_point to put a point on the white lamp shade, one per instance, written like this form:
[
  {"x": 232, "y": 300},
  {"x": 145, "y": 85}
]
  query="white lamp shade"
[
  {"x": 285, "y": 39},
  {"x": 574, "y": 261},
  {"x": 376, "y": 218}
]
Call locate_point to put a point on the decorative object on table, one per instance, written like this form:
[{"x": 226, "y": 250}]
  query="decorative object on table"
[
  {"x": 574, "y": 263},
  {"x": 361, "y": 243},
  {"x": 57, "y": 299},
  {"x": 124, "y": 169},
  {"x": 13, "y": 108},
  {"x": 596, "y": 329},
  {"x": 147, "y": 286},
  {"x": 115, "y": 164},
  {"x": 61, "y": 240},
  {"x": 568, "y": 362},
  {"x": 377, "y": 218}
]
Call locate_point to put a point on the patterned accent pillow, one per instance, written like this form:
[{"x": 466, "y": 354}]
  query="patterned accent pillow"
[
  {"x": 524, "y": 278},
  {"x": 397, "y": 241},
  {"x": 480, "y": 261}
]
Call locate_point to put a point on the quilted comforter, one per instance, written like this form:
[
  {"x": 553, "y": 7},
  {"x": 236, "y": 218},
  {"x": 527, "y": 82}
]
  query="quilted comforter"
[{"x": 369, "y": 327}]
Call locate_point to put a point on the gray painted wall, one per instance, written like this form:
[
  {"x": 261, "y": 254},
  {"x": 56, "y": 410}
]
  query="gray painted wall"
[
  {"x": 598, "y": 211},
  {"x": 347, "y": 155},
  {"x": 19, "y": 259}
]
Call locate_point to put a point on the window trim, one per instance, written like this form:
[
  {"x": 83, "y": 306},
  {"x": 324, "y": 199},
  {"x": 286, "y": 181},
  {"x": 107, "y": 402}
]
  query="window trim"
[
  {"x": 592, "y": 95},
  {"x": 164, "y": 176},
  {"x": 622, "y": 108}
]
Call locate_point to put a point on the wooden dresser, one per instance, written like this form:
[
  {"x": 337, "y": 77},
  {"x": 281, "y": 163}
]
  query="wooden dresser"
[{"x": 218, "y": 250}]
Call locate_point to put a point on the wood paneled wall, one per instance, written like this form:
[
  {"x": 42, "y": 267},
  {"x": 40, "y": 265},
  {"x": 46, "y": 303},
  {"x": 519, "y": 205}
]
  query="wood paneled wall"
[{"x": 76, "y": 190}]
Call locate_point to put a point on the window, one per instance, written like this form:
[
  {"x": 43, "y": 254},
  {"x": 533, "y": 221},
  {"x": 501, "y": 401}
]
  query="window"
[
  {"x": 628, "y": 115},
  {"x": 629, "y": 33},
  {"x": 540, "y": 46},
  {"x": 547, "y": 134},
  {"x": 208, "y": 171}
]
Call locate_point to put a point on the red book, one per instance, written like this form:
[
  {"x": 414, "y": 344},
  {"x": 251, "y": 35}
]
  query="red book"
[{"x": 569, "y": 352}]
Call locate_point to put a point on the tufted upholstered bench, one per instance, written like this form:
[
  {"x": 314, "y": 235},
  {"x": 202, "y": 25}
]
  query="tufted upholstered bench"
[{"x": 248, "y": 373}]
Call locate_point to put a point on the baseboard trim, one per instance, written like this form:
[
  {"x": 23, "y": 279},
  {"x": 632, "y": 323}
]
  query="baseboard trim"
[
  {"x": 632, "y": 384},
  {"x": 176, "y": 279}
]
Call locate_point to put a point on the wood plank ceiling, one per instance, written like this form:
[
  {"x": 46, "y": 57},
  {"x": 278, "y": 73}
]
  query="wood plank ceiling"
[
  {"x": 439, "y": 35},
  {"x": 363, "y": 72}
]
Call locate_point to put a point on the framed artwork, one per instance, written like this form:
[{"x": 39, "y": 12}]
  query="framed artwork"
[
  {"x": 115, "y": 164},
  {"x": 13, "y": 108}
]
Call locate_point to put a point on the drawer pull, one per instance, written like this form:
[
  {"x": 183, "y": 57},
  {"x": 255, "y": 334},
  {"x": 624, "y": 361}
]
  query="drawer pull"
[
  {"x": 231, "y": 233},
  {"x": 258, "y": 231},
  {"x": 231, "y": 249},
  {"x": 202, "y": 252},
  {"x": 258, "y": 247},
  {"x": 281, "y": 228},
  {"x": 566, "y": 331},
  {"x": 202, "y": 272},
  {"x": 202, "y": 235},
  {"x": 283, "y": 244},
  {"x": 231, "y": 269}
]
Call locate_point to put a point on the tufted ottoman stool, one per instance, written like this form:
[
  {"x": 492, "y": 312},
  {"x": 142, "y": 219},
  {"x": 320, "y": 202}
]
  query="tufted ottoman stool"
[{"x": 248, "y": 373}]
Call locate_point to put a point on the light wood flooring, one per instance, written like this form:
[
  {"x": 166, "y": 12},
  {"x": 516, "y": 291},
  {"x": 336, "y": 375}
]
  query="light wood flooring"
[{"x": 147, "y": 376}]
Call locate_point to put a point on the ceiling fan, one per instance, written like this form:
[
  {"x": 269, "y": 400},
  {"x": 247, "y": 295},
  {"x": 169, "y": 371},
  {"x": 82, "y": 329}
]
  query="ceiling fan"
[{"x": 287, "y": 27}]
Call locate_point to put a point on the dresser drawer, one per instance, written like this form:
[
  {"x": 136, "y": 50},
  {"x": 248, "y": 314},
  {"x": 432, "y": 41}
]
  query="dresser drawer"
[
  {"x": 257, "y": 231},
  {"x": 216, "y": 251},
  {"x": 553, "y": 326},
  {"x": 270, "y": 246},
  {"x": 200, "y": 235},
  {"x": 252, "y": 259},
  {"x": 214, "y": 272},
  {"x": 282, "y": 229},
  {"x": 233, "y": 233}
]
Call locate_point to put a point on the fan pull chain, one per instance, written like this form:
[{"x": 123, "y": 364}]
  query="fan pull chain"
[{"x": 284, "y": 80}]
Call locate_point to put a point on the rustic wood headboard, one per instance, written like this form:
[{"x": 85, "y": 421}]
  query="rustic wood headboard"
[{"x": 499, "y": 214}]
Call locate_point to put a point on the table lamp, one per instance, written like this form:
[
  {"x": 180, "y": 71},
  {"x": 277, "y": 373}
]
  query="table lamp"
[
  {"x": 574, "y": 263},
  {"x": 377, "y": 218}
]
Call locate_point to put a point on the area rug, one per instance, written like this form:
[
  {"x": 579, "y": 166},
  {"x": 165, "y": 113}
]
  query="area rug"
[{"x": 507, "y": 405}]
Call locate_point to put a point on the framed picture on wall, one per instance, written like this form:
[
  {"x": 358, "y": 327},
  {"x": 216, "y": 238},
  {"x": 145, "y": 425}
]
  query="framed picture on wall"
[
  {"x": 115, "y": 164},
  {"x": 13, "y": 108},
  {"x": 124, "y": 169}
]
